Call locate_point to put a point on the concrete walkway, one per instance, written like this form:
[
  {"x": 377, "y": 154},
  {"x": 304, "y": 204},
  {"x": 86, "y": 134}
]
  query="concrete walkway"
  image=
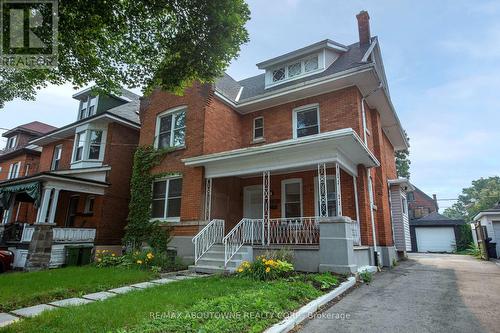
[{"x": 427, "y": 293}]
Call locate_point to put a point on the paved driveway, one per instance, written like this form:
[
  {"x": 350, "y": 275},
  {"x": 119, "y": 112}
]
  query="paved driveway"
[{"x": 427, "y": 293}]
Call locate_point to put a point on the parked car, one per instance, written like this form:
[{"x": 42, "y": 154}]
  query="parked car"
[{"x": 6, "y": 260}]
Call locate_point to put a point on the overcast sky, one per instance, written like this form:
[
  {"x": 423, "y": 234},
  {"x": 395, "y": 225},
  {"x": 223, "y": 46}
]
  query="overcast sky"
[{"x": 441, "y": 59}]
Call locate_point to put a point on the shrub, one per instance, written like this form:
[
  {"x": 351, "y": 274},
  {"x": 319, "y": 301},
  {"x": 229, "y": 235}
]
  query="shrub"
[
  {"x": 283, "y": 254},
  {"x": 474, "y": 251},
  {"x": 107, "y": 258},
  {"x": 366, "y": 276},
  {"x": 146, "y": 259},
  {"x": 265, "y": 269},
  {"x": 464, "y": 237}
]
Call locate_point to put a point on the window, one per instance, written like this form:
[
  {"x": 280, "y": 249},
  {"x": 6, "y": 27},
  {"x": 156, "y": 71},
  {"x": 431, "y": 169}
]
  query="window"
[
  {"x": 56, "y": 158},
  {"x": 171, "y": 129},
  {"x": 404, "y": 205},
  {"x": 279, "y": 74},
  {"x": 311, "y": 64},
  {"x": 11, "y": 142},
  {"x": 95, "y": 144},
  {"x": 88, "y": 107},
  {"x": 258, "y": 128},
  {"x": 294, "y": 69},
  {"x": 306, "y": 121},
  {"x": 79, "y": 144},
  {"x": 14, "y": 170},
  {"x": 331, "y": 196},
  {"x": 291, "y": 192},
  {"x": 89, "y": 205},
  {"x": 167, "y": 199}
]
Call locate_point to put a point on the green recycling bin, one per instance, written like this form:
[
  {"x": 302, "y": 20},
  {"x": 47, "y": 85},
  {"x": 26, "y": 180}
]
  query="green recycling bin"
[
  {"x": 72, "y": 254},
  {"x": 85, "y": 255}
]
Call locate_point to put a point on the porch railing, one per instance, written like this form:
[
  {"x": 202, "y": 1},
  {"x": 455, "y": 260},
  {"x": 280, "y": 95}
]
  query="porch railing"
[
  {"x": 247, "y": 231},
  {"x": 292, "y": 231},
  {"x": 73, "y": 235},
  {"x": 212, "y": 233}
]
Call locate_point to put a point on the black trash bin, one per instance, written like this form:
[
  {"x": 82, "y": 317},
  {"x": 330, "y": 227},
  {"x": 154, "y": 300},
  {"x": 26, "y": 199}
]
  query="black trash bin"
[{"x": 492, "y": 249}]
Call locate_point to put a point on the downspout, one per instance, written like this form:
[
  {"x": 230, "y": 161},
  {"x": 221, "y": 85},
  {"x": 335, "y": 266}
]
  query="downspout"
[{"x": 372, "y": 217}]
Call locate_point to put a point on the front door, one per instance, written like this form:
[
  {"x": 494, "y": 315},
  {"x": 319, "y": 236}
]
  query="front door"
[
  {"x": 72, "y": 211},
  {"x": 252, "y": 202}
]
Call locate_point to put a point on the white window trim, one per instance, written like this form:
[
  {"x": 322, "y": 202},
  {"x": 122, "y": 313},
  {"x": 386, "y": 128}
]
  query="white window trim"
[
  {"x": 85, "y": 105},
  {"x": 168, "y": 219},
  {"x": 291, "y": 181},
  {"x": 316, "y": 199},
  {"x": 11, "y": 175},
  {"x": 86, "y": 145},
  {"x": 87, "y": 205},
  {"x": 404, "y": 205},
  {"x": 304, "y": 108},
  {"x": 60, "y": 146},
  {"x": 11, "y": 141},
  {"x": 321, "y": 67},
  {"x": 177, "y": 109},
  {"x": 260, "y": 138}
]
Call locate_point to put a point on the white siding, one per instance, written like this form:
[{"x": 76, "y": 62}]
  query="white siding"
[{"x": 400, "y": 222}]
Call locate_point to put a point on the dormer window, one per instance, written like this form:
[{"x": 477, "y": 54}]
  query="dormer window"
[
  {"x": 11, "y": 142},
  {"x": 87, "y": 107},
  {"x": 294, "y": 69}
]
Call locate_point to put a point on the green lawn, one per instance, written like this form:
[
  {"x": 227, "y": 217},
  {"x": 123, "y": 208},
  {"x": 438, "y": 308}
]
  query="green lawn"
[
  {"x": 22, "y": 289},
  {"x": 196, "y": 306}
]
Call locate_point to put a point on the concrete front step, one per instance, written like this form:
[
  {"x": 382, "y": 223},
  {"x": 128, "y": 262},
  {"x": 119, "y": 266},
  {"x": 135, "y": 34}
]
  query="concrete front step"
[
  {"x": 209, "y": 269},
  {"x": 213, "y": 260}
]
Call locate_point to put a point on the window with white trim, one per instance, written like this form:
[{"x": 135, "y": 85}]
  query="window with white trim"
[
  {"x": 79, "y": 145},
  {"x": 11, "y": 142},
  {"x": 56, "y": 157},
  {"x": 171, "y": 129},
  {"x": 14, "y": 170},
  {"x": 331, "y": 196},
  {"x": 306, "y": 121},
  {"x": 167, "y": 199},
  {"x": 88, "y": 107},
  {"x": 295, "y": 69},
  {"x": 95, "y": 139},
  {"x": 89, "y": 205},
  {"x": 88, "y": 145},
  {"x": 291, "y": 192},
  {"x": 258, "y": 128}
]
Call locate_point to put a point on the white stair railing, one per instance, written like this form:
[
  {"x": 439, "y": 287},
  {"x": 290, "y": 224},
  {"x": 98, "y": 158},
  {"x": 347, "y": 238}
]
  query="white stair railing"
[
  {"x": 212, "y": 233},
  {"x": 247, "y": 231}
]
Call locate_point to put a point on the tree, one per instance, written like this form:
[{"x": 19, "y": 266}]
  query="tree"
[
  {"x": 403, "y": 161},
  {"x": 157, "y": 43},
  {"x": 483, "y": 194}
]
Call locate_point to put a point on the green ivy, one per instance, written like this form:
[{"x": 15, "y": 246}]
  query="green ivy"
[{"x": 140, "y": 229}]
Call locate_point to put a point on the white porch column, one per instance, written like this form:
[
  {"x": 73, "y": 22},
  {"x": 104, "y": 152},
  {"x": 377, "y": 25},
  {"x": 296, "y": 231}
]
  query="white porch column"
[
  {"x": 338, "y": 189},
  {"x": 208, "y": 199},
  {"x": 266, "y": 199},
  {"x": 322, "y": 190},
  {"x": 53, "y": 205},
  {"x": 44, "y": 206}
]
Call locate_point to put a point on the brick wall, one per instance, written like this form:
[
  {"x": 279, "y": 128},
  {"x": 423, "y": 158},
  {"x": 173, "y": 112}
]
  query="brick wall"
[
  {"x": 48, "y": 154},
  {"x": 422, "y": 205},
  {"x": 29, "y": 165}
]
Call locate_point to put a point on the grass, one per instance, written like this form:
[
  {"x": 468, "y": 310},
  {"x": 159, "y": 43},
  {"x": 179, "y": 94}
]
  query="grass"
[
  {"x": 185, "y": 306},
  {"x": 23, "y": 289}
]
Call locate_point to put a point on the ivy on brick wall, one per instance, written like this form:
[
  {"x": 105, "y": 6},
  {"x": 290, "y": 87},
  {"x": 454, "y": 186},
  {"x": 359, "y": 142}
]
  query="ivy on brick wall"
[{"x": 140, "y": 229}]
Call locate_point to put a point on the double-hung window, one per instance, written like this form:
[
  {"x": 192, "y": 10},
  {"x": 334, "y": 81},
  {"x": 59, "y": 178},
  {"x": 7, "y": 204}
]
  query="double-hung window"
[
  {"x": 258, "y": 128},
  {"x": 171, "y": 128},
  {"x": 167, "y": 199},
  {"x": 88, "y": 107},
  {"x": 14, "y": 170},
  {"x": 11, "y": 142},
  {"x": 306, "y": 121},
  {"x": 291, "y": 192},
  {"x": 80, "y": 145},
  {"x": 95, "y": 144},
  {"x": 56, "y": 157}
]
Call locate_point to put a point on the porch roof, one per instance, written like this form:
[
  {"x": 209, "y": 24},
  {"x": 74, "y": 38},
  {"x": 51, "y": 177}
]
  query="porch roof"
[
  {"x": 341, "y": 146},
  {"x": 63, "y": 182}
]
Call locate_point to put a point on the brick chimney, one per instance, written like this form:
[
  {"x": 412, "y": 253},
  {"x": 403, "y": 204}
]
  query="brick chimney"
[
  {"x": 364, "y": 27},
  {"x": 434, "y": 197}
]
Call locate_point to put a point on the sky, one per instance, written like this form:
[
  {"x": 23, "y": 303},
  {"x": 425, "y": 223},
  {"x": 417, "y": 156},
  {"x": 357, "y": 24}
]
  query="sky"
[{"x": 441, "y": 60}]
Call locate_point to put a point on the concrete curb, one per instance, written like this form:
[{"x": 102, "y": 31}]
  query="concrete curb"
[{"x": 311, "y": 307}]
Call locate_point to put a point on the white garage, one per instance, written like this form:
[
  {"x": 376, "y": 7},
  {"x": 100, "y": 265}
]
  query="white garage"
[{"x": 435, "y": 239}]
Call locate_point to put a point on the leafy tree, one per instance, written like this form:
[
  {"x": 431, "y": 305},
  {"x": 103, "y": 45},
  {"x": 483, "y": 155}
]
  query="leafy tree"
[
  {"x": 483, "y": 194},
  {"x": 157, "y": 43},
  {"x": 403, "y": 161}
]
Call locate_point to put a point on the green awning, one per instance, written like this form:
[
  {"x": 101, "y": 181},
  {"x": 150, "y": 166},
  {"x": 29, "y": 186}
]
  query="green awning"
[{"x": 33, "y": 189}]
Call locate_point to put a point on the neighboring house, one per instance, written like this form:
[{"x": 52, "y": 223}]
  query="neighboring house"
[
  {"x": 435, "y": 233},
  {"x": 420, "y": 204},
  {"x": 81, "y": 189},
  {"x": 263, "y": 159},
  {"x": 489, "y": 220}
]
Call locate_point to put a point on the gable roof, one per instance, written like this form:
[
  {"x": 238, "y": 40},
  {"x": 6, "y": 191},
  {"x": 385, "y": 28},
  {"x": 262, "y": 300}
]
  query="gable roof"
[
  {"x": 435, "y": 219},
  {"x": 35, "y": 127}
]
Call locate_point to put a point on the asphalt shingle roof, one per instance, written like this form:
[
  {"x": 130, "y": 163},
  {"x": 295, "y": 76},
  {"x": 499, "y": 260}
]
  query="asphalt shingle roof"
[
  {"x": 255, "y": 85},
  {"x": 435, "y": 219},
  {"x": 34, "y": 127}
]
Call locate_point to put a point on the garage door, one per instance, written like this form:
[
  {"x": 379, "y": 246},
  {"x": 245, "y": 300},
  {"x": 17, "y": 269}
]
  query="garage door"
[{"x": 435, "y": 239}]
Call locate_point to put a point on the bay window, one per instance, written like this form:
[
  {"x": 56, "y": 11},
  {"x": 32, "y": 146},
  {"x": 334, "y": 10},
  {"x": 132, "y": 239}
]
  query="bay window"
[
  {"x": 89, "y": 145},
  {"x": 95, "y": 144},
  {"x": 167, "y": 199},
  {"x": 79, "y": 145},
  {"x": 171, "y": 128}
]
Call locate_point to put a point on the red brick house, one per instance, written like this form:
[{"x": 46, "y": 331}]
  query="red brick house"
[
  {"x": 420, "y": 204},
  {"x": 81, "y": 188},
  {"x": 264, "y": 159}
]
